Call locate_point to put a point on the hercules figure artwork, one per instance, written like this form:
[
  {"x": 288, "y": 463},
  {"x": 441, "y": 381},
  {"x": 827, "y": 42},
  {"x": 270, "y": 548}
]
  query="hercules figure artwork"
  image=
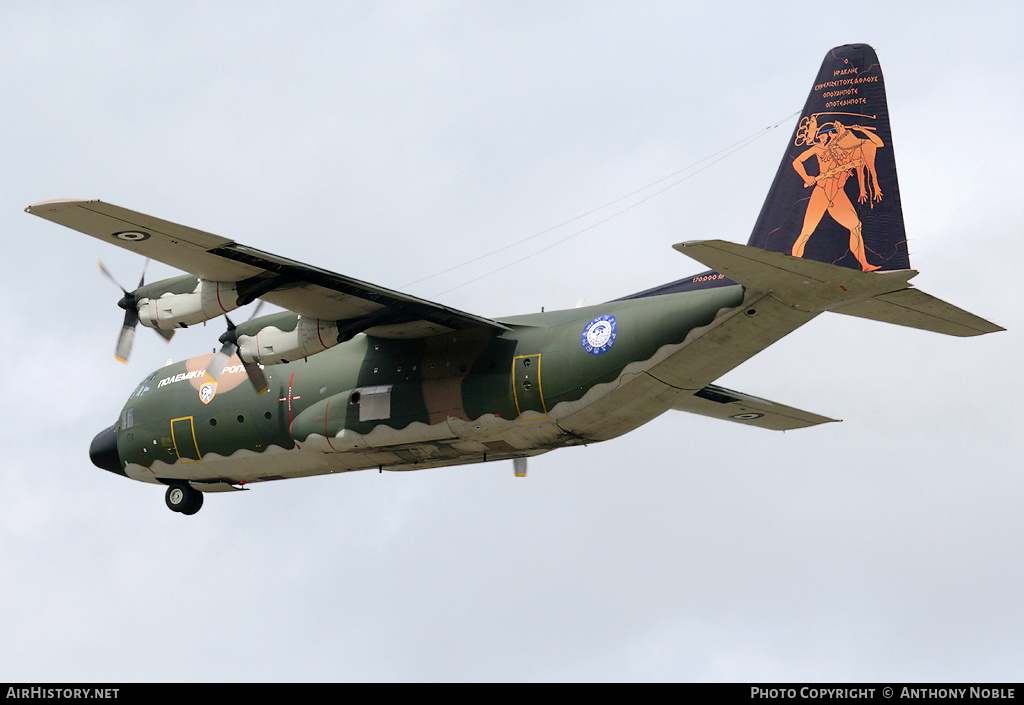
[{"x": 840, "y": 151}]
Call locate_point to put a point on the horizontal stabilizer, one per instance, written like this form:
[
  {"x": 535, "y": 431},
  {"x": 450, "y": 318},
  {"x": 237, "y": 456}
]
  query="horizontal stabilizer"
[
  {"x": 721, "y": 403},
  {"x": 916, "y": 309},
  {"x": 809, "y": 285},
  {"x": 804, "y": 284}
]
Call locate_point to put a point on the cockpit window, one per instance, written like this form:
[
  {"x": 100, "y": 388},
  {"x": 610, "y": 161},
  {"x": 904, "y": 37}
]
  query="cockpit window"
[{"x": 143, "y": 386}]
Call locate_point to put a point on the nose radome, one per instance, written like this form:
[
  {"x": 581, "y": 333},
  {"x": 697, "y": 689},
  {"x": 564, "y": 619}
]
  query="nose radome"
[{"x": 103, "y": 451}]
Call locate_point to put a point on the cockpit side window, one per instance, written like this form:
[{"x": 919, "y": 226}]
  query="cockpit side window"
[{"x": 143, "y": 386}]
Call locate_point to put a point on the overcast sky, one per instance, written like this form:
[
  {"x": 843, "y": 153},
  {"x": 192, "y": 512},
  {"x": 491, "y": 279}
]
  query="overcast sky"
[{"x": 391, "y": 141}]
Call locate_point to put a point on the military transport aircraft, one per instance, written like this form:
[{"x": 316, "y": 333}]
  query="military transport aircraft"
[{"x": 354, "y": 376}]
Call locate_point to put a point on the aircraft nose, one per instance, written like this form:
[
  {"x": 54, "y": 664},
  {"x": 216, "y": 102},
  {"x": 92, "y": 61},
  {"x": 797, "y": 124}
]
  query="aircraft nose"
[{"x": 103, "y": 451}]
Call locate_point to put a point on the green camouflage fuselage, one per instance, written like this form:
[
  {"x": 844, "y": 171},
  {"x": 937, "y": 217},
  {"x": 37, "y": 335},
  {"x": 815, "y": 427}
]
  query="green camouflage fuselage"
[{"x": 461, "y": 397}]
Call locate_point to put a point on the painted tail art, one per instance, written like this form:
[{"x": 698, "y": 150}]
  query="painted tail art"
[
  {"x": 830, "y": 236},
  {"x": 835, "y": 197}
]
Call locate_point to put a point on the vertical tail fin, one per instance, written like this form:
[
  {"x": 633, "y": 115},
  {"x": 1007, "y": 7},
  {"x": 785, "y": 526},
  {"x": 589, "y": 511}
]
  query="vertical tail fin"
[{"x": 835, "y": 197}]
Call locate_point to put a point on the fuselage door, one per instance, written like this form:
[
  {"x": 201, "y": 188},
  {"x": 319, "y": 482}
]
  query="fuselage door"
[
  {"x": 183, "y": 435},
  {"x": 526, "y": 388}
]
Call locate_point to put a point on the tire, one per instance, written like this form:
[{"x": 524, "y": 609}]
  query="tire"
[
  {"x": 183, "y": 498},
  {"x": 195, "y": 504}
]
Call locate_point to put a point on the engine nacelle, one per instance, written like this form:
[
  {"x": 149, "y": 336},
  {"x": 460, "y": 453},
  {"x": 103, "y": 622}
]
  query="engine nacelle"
[
  {"x": 285, "y": 337},
  {"x": 184, "y": 301}
]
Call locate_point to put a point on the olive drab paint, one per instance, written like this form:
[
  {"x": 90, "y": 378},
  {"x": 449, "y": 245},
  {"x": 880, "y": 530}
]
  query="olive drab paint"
[{"x": 353, "y": 376}]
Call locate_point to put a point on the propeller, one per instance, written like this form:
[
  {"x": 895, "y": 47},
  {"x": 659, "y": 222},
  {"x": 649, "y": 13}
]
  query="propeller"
[
  {"x": 519, "y": 466},
  {"x": 229, "y": 349},
  {"x": 129, "y": 302}
]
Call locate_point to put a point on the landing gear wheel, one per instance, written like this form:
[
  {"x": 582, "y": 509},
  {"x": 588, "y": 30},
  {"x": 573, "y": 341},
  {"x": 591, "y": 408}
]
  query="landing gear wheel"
[
  {"x": 195, "y": 504},
  {"x": 183, "y": 498}
]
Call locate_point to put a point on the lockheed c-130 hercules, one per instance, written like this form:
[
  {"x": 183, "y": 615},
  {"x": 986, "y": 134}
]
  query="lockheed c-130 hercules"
[{"x": 354, "y": 376}]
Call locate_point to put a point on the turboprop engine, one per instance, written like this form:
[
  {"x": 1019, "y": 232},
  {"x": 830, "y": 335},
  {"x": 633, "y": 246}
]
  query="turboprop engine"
[
  {"x": 171, "y": 303},
  {"x": 184, "y": 301},
  {"x": 269, "y": 340},
  {"x": 284, "y": 337}
]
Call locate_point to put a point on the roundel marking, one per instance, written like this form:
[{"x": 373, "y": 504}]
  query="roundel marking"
[
  {"x": 132, "y": 235},
  {"x": 599, "y": 335},
  {"x": 746, "y": 417}
]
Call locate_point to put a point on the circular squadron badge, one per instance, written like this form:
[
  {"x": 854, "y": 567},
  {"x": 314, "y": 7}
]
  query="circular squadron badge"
[{"x": 599, "y": 335}]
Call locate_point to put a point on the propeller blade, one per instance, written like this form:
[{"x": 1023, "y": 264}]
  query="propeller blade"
[
  {"x": 256, "y": 310},
  {"x": 124, "y": 343},
  {"x": 142, "y": 279},
  {"x": 256, "y": 376},
  {"x": 106, "y": 272},
  {"x": 220, "y": 361},
  {"x": 519, "y": 466},
  {"x": 128, "y": 302},
  {"x": 255, "y": 372},
  {"x": 127, "y": 336},
  {"x": 229, "y": 349}
]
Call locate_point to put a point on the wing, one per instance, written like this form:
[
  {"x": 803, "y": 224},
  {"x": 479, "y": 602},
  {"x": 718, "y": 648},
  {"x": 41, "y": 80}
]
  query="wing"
[
  {"x": 721, "y": 403},
  {"x": 309, "y": 291}
]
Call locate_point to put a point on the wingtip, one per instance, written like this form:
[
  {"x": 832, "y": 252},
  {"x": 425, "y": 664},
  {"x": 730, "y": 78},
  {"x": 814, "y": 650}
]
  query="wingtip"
[{"x": 57, "y": 202}]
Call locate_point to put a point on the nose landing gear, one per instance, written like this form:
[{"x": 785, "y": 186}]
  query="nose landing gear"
[{"x": 183, "y": 498}]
